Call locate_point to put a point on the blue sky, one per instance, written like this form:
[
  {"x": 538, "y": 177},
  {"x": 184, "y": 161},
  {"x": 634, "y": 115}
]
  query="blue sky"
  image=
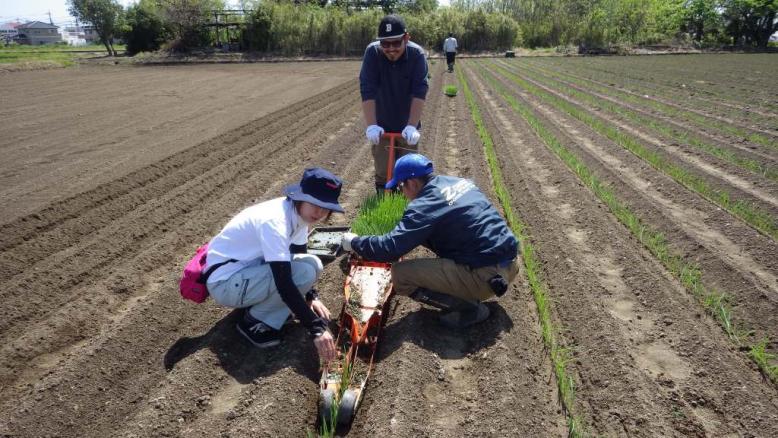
[
  {"x": 38, "y": 10},
  {"x": 31, "y": 10}
]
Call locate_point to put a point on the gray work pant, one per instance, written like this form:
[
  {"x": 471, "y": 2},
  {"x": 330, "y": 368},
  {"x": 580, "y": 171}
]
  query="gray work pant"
[{"x": 254, "y": 287}]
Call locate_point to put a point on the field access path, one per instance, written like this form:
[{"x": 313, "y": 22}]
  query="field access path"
[{"x": 647, "y": 360}]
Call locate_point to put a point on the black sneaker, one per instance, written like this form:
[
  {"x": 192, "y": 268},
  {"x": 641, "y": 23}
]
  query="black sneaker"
[
  {"x": 257, "y": 332},
  {"x": 465, "y": 316}
]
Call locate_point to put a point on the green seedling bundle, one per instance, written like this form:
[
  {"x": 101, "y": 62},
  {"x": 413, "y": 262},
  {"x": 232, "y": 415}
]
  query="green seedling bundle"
[
  {"x": 379, "y": 214},
  {"x": 450, "y": 90}
]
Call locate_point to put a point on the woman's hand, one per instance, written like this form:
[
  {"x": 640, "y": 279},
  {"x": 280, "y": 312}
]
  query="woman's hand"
[
  {"x": 320, "y": 309},
  {"x": 325, "y": 346}
]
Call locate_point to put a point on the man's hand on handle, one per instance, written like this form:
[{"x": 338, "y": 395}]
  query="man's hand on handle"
[
  {"x": 411, "y": 135},
  {"x": 374, "y": 133}
]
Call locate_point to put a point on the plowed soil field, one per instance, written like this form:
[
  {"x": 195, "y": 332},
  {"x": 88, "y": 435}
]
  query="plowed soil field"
[{"x": 112, "y": 176}]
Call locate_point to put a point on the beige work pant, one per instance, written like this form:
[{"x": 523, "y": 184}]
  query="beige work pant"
[
  {"x": 445, "y": 276},
  {"x": 381, "y": 156}
]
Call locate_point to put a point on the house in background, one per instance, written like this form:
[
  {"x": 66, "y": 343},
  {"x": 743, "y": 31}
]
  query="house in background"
[
  {"x": 38, "y": 32},
  {"x": 8, "y": 31}
]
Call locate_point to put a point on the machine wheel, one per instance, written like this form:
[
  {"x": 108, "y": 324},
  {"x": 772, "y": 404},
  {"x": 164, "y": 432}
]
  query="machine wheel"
[
  {"x": 326, "y": 402},
  {"x": 348, "y": 407}
]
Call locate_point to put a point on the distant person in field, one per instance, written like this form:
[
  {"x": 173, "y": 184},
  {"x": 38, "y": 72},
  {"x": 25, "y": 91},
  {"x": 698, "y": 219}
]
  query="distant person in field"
[
  {"x": 393, "y": 83},
  {"x": 477, "y": 252},
  {"x": 450, "y": 47},
  {"x": 262, "y": 265}
]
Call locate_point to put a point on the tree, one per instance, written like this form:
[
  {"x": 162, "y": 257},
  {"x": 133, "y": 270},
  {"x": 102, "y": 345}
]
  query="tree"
[
  {"x": 103, "y": 15},
  {"x": 143, "y": 27},
  {"x": 188, "y": 20},
  {"x": 701, "y": 18},
  {"x": 751, "y": 21}
]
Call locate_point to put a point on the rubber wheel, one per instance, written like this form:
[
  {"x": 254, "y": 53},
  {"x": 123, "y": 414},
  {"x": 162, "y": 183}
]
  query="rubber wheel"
[
  {"x": 348, "y": 406},
  {"x": 326, "y": 401}
]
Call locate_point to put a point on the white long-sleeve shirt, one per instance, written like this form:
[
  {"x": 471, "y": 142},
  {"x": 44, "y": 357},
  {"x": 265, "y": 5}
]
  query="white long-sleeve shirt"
[{"x": 450, "y": 45}]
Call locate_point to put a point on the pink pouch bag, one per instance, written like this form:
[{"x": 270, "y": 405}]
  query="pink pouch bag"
[{"x": 193, "y": 280}]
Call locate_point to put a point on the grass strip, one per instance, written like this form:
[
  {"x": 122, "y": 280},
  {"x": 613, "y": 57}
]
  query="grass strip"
[
  {"x": 760, "y": 220},
  {"x": 18, "y": 58},
  {"x": 658, "y": 126},
  {"x": 698, "y": 119},
  {"x": 765, "y": 360},
  {"x": 716, "y": 304},
  {"x": 560, "y": 356}
]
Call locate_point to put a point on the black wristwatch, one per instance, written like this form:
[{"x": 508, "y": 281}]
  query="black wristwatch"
[{"x": 311, "y": 295}]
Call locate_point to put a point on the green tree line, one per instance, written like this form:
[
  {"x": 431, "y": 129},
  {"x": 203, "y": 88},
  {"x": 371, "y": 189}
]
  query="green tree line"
[
  {"x": 345, "y": 27},
  {"x": 546, "y": 23}
]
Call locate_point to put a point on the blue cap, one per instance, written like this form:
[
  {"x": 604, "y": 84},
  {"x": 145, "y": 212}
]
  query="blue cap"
[
  {"x": 409, "y": 166},
  {"x": 319, "y": 187}
]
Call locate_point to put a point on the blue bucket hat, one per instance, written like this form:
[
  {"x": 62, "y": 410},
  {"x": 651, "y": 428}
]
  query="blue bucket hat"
[
  {"x": 409, "y": 166},
  {"x": 319, "y": 187}
]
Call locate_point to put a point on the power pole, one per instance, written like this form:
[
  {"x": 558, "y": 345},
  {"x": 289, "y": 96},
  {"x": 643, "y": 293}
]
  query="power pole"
[{"x": 51, "y": 22}]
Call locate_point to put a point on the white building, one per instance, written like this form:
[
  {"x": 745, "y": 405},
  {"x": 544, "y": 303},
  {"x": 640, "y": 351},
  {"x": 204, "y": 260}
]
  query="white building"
[
  {"x": 73, "y": 35},
  {"x": 8, "y": 31}
]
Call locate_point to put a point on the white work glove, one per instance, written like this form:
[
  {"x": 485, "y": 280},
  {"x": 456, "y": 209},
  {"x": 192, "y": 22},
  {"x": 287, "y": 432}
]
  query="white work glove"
[
  {"x": 411, "y": 135},
  {"x": 374, "y": 133},
  {"x": 345, "y": 241}
]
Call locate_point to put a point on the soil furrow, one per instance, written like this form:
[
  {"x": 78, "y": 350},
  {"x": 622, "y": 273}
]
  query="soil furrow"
[
  {"x": 30, "y": 239},
  {"x": 647, "y": 87},
  {"x": 86, "y": 260},
  {"x": 719, "y": 138},
  {"x": 669, "y": 77},
  {"x": 636, "y": 377},
  {"x": 136, "y": 380},
  {"x": 739, "y": 183},
  {"x": 743, "y": 124},
  {"x": 733, "y": 257},
  {"x": 112, "y": 130}
]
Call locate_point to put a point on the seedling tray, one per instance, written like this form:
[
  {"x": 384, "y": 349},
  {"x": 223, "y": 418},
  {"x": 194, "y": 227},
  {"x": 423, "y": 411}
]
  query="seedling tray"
[{"x": 325, "y": 241}]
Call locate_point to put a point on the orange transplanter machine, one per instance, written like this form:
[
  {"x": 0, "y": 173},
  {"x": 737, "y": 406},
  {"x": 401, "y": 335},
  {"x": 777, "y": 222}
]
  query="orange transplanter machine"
[{"x": 367, "y": 290}]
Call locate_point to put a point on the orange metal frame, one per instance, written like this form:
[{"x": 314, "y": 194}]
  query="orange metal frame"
[{"x": 392, "y": 136}]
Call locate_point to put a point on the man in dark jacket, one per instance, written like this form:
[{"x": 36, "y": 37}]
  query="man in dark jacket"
[
  {"x": 393, "y": 84},
  {"x": 450, "y": 216}
]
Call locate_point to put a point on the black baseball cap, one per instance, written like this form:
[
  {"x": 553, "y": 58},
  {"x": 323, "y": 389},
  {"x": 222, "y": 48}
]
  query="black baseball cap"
[{"x": 391, "y": 26}]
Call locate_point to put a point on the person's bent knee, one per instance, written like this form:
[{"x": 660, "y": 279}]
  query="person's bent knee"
[
  {"x": 312, "y": 261},
  {"x": 304, "y": 276},
  {"x": 400, "y": 279}
]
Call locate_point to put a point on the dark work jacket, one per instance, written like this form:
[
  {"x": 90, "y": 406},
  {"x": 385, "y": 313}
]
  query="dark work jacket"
[
  {"x": 393, "y": 84},
  {"x": 451, "y": 217}
]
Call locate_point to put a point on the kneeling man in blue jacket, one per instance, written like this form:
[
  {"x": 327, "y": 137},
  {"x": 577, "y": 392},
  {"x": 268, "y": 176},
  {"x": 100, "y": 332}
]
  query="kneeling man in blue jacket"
[{"x": 477, "y": 252}]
